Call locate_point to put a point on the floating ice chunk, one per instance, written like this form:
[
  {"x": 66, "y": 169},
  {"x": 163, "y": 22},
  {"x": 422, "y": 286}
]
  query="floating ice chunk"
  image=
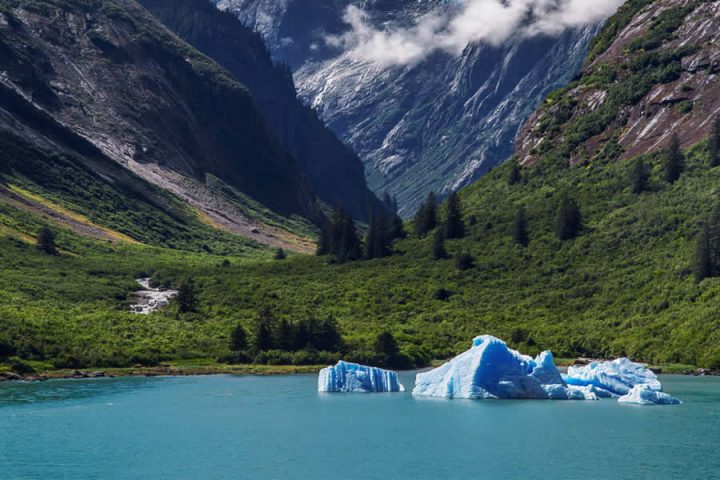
[
  {"x": 492, "y": 370},
  {"x": 562, "y": 392},
  {"x": 617, "y": 376},
  {"x": 646, "y": 395},
  {"x": 351, "y": 377}
]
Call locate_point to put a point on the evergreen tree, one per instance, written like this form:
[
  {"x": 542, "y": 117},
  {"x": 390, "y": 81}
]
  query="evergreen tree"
[
  {"x": 674, "y": 160},
  {"x": 439, "y": 251},
  {"x": 520, "y": 229},
  {"x": 339, "y": 237},
  {"x": 464, "y": 261},
  {"x": 707, "y": 255},
  {"x": 263, "y": 331},
  {"x": 325, "y": 239},
  {"x": 454, "y": 223},
  {"x": 569, "y": 219},
  {"x": 426, "y": 218},
  {"x": 515, "y": 174},
  {"x": 703, "y": 262},
  {"x": 397, "y": 229},
  {"x": 385, "y": 344},
  {"x": 378, "y": 243},
  {"x": 238, "y": 339},
  {"x": 285, "y": 336},
  {"x": 715, "y": 144},
  {"x": 640, "y": 177},
  {"x": 46, "y": 241},
  {"x": 186, "y": 297},
  {"x": 280, "y": 254},
  {"x": 327, "y": 336},
  {"x": 349, "y": 243}
]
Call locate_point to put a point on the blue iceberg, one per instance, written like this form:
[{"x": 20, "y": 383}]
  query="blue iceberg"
[
  {"x": 616, "y": 377},
  {"x": 492, "y": 370},
  {"x": 351, "y": 377},
  {"x": 644, "y": 394}
]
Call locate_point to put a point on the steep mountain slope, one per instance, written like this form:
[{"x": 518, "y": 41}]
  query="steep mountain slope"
[
  {"x": 110, "y": 82},
  {"x": 436, "y": 125},
  {"x": 657, "y": 76},
  {"x": 336, "y": 173}
]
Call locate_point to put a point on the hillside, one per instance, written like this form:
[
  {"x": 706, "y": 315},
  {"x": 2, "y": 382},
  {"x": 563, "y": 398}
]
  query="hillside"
[
  {"x": 656, "y": 76},
  {"x": 335, "y": 172},
  {"x": 103, "y": 82},
  {"x": 624, "y": 286}
]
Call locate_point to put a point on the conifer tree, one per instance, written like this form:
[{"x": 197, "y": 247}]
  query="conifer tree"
[
  {"x": 378, "y": 242},
  {"x": 238, "y": 339},
  {"x": 515, "y": 174},
  {"x": 715, "y": 144},
  {"x": 454, "y": 223},
  {"x": 46, "y": 241},
  {"x": 674, "y": 160},
  {"x": 640, "y": 177},
  {"x": 520, "y": 229},
  {"x": 426, "y": 218},
  {"x": 439, "y": 251},
  {"x": 569, "y": 219},
  {"x": 186, "y": 297},
  {"x": 280, "y": 254},
  {"x": 349, "y": 242},
  {"x": 397, "y": 229},
  {"x": 263, "y": 331},
  {"x": 703, "y": 262}
]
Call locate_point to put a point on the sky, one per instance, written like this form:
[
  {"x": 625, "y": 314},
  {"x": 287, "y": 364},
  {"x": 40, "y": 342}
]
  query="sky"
[{"x": 470, "y": 21}]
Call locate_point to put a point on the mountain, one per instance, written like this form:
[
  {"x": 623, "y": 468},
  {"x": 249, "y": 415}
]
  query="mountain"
[
  {"x": 104, "y": 82},
  {"x": 335, "y": 172},
  {"x": 654, "y": 77},
  {"x": 438, "y": 124}
]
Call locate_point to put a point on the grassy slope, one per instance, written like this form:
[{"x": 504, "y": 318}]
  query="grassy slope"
[{"x": 624, "y": 287}]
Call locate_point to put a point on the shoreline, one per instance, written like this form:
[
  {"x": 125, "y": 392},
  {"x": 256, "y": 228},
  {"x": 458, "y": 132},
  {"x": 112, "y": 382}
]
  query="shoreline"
[
  {"x": 161, "y": 371},
  {"x": 190, "y": 370}
]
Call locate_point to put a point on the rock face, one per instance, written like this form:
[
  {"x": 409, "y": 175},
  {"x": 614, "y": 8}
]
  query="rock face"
[
  {"x": 105, "y": 80},
  {"x": 336, "y": 173},
  {"x": 435, "y": 125},
  {"x": 646, "y": 395},
  {"x": 491, "y": 370},
  {"x": 617, "y": 377},
  {"x": 652, "y": 72},
  {"x": 354, "y": 378}
]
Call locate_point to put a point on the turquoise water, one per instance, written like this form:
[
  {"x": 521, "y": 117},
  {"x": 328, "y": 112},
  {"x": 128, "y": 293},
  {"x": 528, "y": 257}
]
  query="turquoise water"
[{"x": 280, "y": 427}]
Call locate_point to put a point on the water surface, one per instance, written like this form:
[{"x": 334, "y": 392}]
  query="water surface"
[{"x": 280, "y": 427}]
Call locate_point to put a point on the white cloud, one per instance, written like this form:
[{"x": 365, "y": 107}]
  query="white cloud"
[{"x": 451, "y": 29}]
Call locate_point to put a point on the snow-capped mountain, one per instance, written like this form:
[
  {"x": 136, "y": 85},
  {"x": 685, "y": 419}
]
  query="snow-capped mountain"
[{"x": 436, "y": 123}]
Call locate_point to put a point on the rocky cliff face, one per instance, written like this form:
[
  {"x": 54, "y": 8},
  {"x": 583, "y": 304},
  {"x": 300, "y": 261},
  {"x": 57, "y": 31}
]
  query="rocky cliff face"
[
  {"x": 652, "y": 72},
  {"x": 109, "y": 75},
  {"x": 434, "y": 125},
  {"x": 334, "y": 170}
]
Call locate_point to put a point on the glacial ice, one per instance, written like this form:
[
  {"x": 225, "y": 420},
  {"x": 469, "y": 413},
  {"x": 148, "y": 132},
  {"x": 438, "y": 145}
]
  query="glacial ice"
[
  {"x": 645, "y": 394},
  {"x": 351, "y": 377},
  {"x": 492, "y": 370},
  {"x": 617, "y": 377}
]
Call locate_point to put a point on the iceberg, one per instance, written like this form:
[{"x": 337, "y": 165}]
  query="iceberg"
[
  {"x": 351, "y": 377},
  {"x": 644, "y": 394},
  {"x": 492, "y": 370},
  {"x": 617, "y": 377}
]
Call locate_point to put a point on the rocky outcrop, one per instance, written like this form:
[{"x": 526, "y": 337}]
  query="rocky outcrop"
[
  {"x": 124, "y": 88},
  {"x": 334, "y": 170},
  {"x": 657, "y": 76}
]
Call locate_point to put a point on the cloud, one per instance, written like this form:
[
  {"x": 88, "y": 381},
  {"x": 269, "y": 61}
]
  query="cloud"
[{"x": 451, "y": 29}]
